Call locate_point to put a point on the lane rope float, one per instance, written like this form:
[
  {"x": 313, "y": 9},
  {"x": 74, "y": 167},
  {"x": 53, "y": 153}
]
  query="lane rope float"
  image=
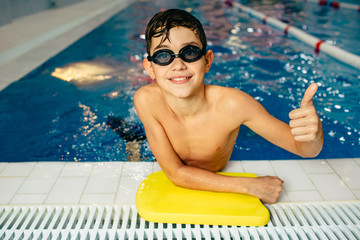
[
  {"x": 336, "y": 5},
  {"x": 318, "y": 44}
]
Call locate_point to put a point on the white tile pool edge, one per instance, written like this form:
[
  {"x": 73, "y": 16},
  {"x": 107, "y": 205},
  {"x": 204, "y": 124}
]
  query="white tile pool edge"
[{"x": 74, "y": 183}]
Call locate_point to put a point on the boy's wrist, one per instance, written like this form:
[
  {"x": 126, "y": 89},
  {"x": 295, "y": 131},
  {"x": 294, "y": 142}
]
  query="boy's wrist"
[{"x": 243, "y": 185}]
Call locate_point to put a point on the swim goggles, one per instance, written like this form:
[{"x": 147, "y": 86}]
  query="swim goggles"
[{"x": 188, "y": 54}]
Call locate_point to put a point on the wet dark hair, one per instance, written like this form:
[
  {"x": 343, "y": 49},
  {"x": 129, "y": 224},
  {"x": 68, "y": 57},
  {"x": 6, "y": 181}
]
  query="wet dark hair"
[{"x": 162, "y": 22}]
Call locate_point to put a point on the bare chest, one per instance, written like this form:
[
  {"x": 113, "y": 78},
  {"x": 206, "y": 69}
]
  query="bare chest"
[{"x": 202, "y": 140}]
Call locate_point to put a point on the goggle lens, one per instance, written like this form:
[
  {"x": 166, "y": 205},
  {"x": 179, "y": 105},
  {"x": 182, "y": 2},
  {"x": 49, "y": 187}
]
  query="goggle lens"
[{"x": 188, "y": 54}]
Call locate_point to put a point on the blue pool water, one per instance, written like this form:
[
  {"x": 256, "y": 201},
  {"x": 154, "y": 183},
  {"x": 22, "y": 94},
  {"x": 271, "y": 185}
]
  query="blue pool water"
[{"x": 91, "y": 117}]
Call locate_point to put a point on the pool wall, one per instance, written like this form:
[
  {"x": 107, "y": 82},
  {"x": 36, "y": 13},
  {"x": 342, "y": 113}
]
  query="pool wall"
[
  {"x": 11, "y": 10},
  {"x": 29, "y": 41}
]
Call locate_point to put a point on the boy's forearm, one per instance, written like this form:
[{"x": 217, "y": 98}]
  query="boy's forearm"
[
  {"x": 200, "y": 179},
  {"x": 266, "y": 188}
]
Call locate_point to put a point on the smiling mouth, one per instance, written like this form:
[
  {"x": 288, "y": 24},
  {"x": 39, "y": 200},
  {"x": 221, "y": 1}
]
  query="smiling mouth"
[{"x": 180, "y": 80}]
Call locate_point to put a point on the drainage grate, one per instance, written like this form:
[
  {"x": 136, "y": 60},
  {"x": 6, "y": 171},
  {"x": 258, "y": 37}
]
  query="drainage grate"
[{"x": 288, "y": 221}]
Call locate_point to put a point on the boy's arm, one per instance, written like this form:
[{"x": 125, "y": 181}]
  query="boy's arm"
[
  {"x": 303, "y": 136},
  {"x": 266, "y": 188}
]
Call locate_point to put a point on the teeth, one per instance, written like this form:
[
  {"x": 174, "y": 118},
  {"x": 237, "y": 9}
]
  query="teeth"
[{"x": 179, "y": 79}]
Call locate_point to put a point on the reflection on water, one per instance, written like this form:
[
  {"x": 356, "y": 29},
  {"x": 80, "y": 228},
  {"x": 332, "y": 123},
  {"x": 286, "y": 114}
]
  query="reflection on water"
[{"x": 85, "y": 72}]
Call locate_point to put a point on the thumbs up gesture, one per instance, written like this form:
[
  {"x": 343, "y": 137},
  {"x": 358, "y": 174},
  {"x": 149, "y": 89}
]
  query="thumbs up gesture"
[{"x": 305, "y": 124}]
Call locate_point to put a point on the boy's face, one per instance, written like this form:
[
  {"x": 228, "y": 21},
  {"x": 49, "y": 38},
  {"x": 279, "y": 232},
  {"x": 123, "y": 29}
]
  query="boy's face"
[{"x": 179, "y": 78}]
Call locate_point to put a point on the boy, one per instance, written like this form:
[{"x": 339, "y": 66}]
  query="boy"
[{"x": 192, "y": 127}]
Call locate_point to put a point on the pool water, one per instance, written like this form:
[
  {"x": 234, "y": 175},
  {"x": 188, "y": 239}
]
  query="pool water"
[{"x": 77, "y": 106}]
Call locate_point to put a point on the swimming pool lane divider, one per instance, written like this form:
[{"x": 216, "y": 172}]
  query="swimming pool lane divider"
[
  {"x": 318, "y": 45},
  {"x": 335, "y": 5}
]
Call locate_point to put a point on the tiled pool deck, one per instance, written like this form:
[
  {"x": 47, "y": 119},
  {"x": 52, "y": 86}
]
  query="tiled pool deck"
[
  {"x": 27, "y": 42},
  {"x": 116, "y": 182}
]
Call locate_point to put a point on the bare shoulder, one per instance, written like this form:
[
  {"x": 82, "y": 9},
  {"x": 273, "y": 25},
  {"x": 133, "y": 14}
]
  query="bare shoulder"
[
  {"x": 229, "y": 97},
  {"x": 146, "y": 94},
  {"x": 232, "y": 102},
  {"x": 146, "y": 101},
  {"x": 146, "y": 90}
]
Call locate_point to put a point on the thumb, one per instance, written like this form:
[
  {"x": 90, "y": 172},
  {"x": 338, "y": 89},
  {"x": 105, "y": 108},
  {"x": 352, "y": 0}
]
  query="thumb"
[{"x": 308, "y": 95}]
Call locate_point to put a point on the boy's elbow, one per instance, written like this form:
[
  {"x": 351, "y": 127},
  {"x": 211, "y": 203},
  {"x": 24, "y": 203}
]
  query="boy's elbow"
[
  {"x": 313, "y": 152},
  {"x": 309, "y": 155},
  {"x": 178, "y": 183},
  {"x": 177, "y": 178},
  {"x": 174, "y": 178}
]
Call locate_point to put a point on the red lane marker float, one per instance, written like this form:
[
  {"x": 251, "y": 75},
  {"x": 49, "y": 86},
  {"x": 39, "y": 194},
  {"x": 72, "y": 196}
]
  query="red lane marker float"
[
  {"x": 286, "y": 30},
  {"x": 359, "y": 9},
  {"x": 322, "y": 2},
  {"x": 332, "y": 4},
  {"x": 335, "y": 5},
  {"x": 229, "y": 3},
  {"x": 264, "y": 20},
  {"x": 317, "y": 47}
]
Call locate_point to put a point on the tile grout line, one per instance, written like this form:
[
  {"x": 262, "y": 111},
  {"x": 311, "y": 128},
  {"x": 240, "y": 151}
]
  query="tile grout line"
[
  {"x": 352, "y": 190},
  {"x": 317, "y": 189},
  {"x": 117, "y": 193},
  {"x": 277, "y": 174},
  {"x": 312, "y": 182},
  {"x": 340, "y": 177},
  {"x": 20, "y": 185},
  {"x": 53, "y": 185},
  {"x": 5, "y": 165},
  {"x": 346, "y": 186},
  {"x": 87, "y": 182},
  {"x": 333, "y": 172}
]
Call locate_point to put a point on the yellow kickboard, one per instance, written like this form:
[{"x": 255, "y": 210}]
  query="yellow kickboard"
[{"x": 159, "y": 200}]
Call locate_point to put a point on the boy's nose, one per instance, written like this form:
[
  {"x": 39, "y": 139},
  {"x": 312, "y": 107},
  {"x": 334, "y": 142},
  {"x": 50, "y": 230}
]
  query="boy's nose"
[{"x": 178, "y": 64}]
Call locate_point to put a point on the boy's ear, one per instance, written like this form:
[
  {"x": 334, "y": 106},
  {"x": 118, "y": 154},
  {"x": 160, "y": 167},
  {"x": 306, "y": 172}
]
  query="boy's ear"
[
  {"x": 148, "y": 68},
  {"x": 209, "y": 57}
]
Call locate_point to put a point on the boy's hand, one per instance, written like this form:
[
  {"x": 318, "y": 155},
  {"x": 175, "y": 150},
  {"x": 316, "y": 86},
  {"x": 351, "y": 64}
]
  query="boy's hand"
[
  {"x": 266, "y": 188},
  {"x": 305, "y": 123}
]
